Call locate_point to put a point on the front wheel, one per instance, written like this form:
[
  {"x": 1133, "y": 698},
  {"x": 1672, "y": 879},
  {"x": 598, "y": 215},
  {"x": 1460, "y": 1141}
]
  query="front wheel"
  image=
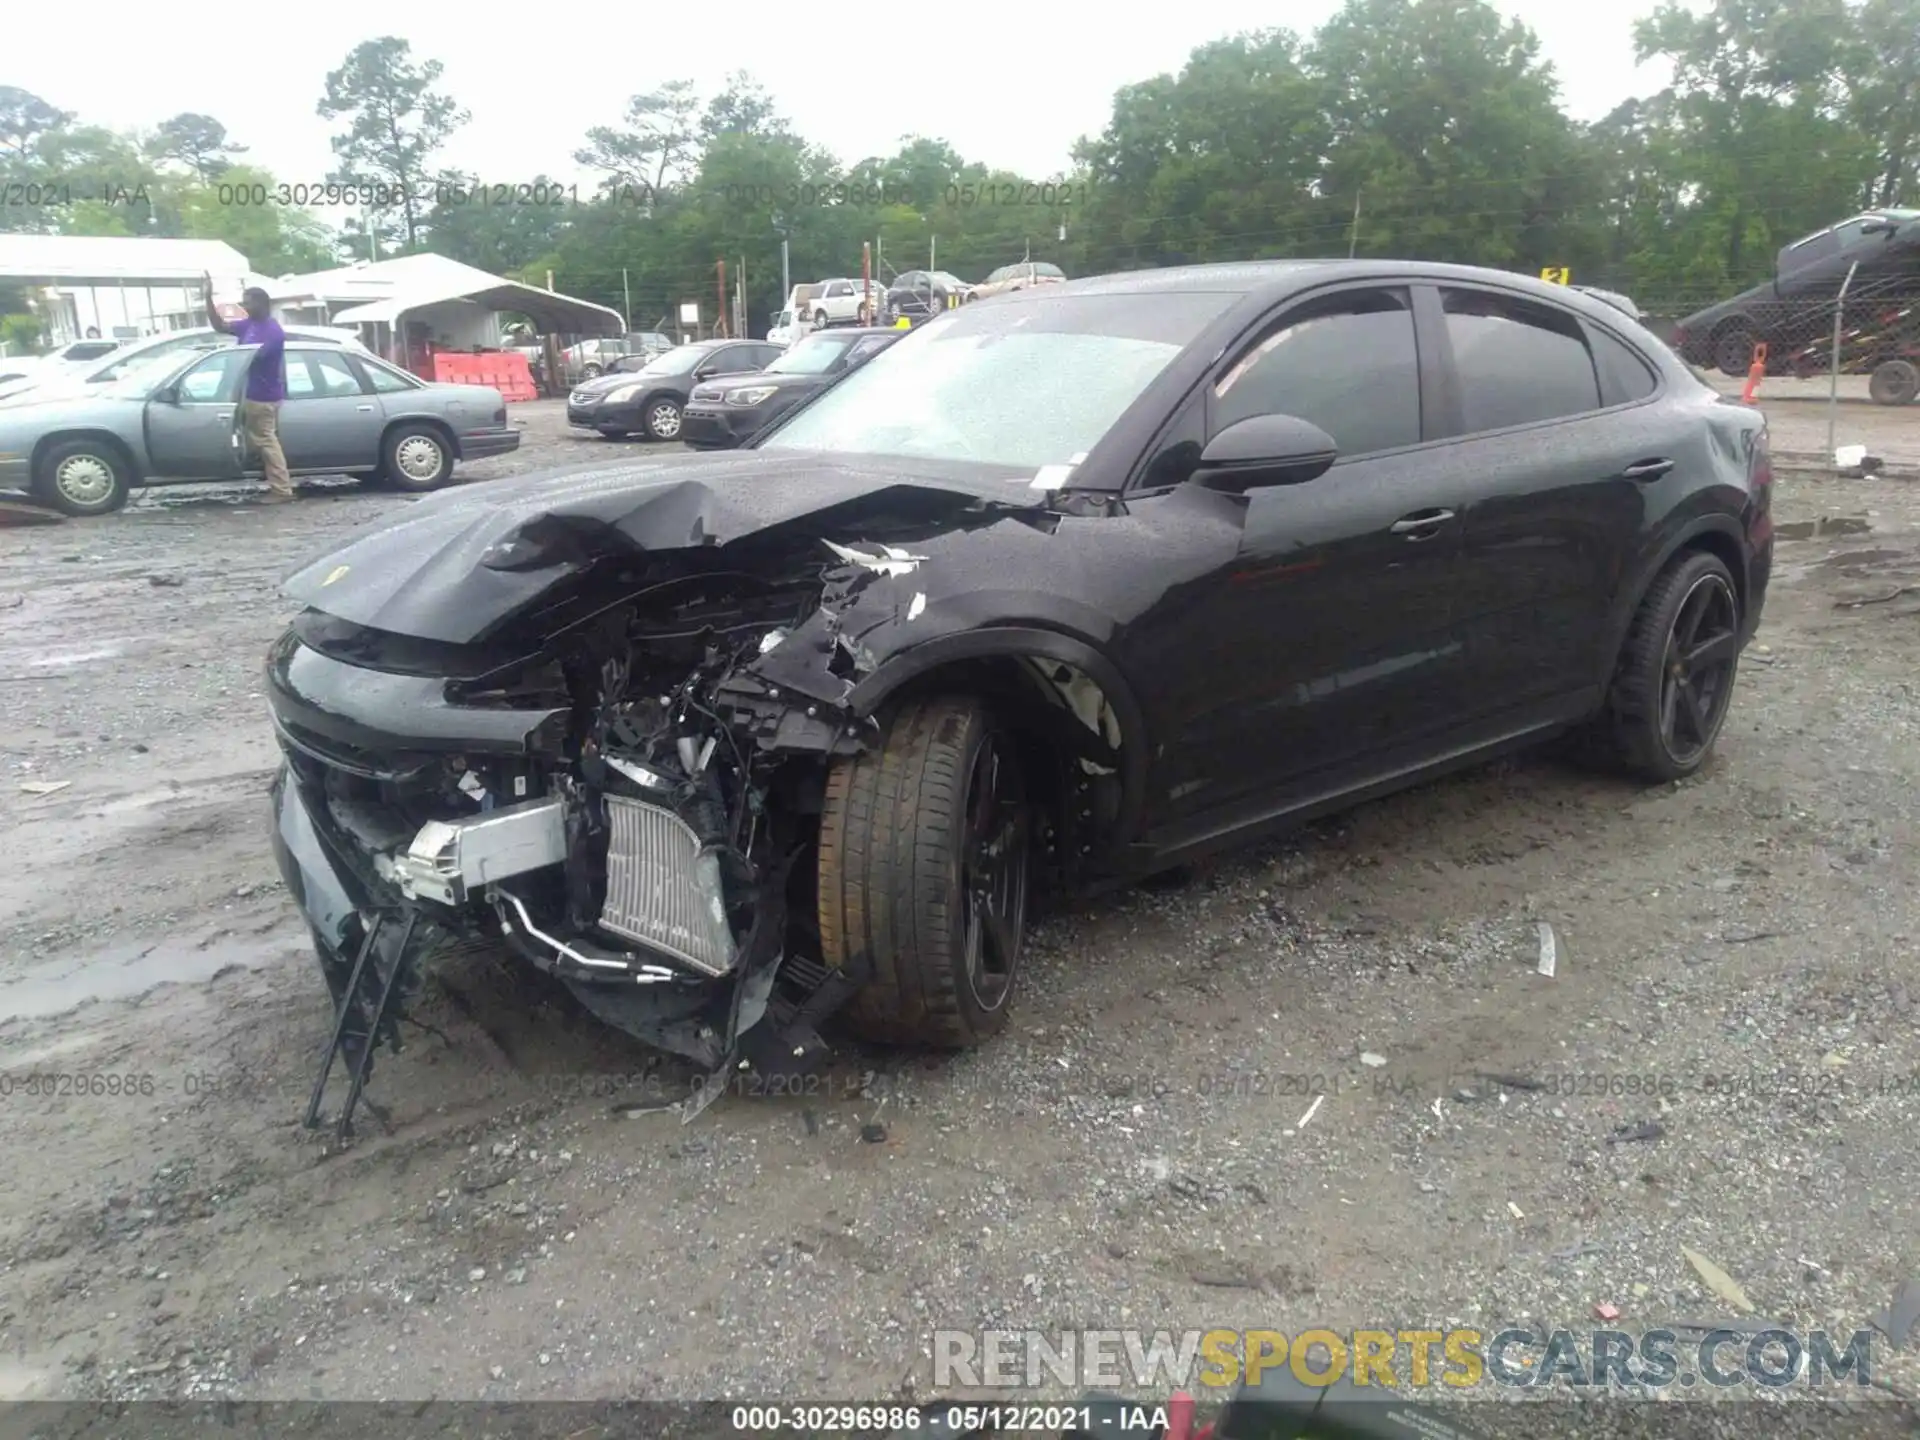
[
  {"x": 1894, "y": 382},
  {"x": 1674, "y": 679},
  {"x": 819, "y": 319},
  {"x": 416, "y": 458},
  {"x": 923, "y": 870},
  {"x": 663, "y": 419},
  {"x": 84, "y": 477}
]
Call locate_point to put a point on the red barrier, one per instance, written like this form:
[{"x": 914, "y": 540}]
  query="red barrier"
[{"x": 506, "y": 372}]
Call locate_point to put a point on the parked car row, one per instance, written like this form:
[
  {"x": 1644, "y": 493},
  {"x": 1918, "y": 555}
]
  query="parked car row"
[
  {"x": 171, "y": 419},
  {"x": 913, "y": 295},
  {"x": 118, "y": 362}
]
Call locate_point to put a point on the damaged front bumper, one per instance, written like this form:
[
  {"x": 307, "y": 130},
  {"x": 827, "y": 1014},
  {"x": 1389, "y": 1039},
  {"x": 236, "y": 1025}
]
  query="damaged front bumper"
[{"x": 404, "y": 823}]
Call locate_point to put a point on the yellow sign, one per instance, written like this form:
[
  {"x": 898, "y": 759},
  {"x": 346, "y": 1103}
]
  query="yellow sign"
[
  {"x": 903, "y": 323},
  {"x": 1557, "y": 275}
]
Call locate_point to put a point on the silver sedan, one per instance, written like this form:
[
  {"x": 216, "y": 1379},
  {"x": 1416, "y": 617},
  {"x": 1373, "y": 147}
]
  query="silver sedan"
[{"x": 345, "y": 413}]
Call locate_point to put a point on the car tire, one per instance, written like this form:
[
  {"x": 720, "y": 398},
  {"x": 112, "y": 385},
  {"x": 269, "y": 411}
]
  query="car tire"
[
  {"x": 415, "y": 458},
  {"x": 819, "y": 319},
  {"x": 1894, "y": 382},
  {"x": 84, "y": 477},
  {"x": 1733, "y": 350},
  {"x": 662, "y": 418},
  {"x": 924, "y": 871},
  {"x": 590, "y": 372},
  {"x": 1674, "y": 678}
]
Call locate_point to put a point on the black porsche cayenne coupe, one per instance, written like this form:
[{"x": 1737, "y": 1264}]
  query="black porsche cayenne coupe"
[{"x": 1065, "y": 587}]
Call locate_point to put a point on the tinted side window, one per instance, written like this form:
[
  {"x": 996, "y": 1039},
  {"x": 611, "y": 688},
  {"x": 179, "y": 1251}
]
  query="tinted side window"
[
  {"x": 1518, "y": 363},
  {"x": 1624, "y": 376},
  {"x": 1347, "y": 363}
]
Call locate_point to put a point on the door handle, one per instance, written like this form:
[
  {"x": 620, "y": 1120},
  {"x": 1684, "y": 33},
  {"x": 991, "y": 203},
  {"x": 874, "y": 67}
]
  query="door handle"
[
  {"x": 224, "y": 415},
  {"x": 364, "y": 409},
  {"x": 1422, "y": 524},
  {"x": 1647, "y": 469}
]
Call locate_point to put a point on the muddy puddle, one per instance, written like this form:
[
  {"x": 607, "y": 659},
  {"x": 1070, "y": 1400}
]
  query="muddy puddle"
[{"x": 124, "y": 972}]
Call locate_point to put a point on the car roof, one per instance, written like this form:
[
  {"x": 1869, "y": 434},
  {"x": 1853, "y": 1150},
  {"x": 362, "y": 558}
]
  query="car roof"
[{"x": 1276, "y": 279}]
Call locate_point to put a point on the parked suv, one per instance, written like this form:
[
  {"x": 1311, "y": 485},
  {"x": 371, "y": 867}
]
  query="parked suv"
[
  {"x": 1795, "y": 308},
  {"x": 846, "y": 302},
  {"x": 920, "y": 294}
]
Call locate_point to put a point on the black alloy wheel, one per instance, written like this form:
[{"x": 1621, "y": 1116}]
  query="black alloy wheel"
[
  {"x": 993, "y": 875},
  {"x": 1703, "y": 647},
  {"x": 1673, "y": 681}
]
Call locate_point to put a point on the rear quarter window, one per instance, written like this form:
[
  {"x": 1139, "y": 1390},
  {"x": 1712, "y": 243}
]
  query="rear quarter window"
[{"x": 1624, "y": 376}]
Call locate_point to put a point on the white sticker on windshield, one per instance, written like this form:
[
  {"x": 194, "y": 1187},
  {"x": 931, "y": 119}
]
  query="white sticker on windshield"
[{"x": 1051, "y": 477}]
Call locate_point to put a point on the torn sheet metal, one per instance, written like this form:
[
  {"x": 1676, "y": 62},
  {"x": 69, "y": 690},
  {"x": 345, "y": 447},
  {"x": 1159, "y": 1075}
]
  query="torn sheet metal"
[{"x": 891, "y": 560}]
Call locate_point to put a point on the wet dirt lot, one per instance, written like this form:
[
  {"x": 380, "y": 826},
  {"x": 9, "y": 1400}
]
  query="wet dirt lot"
[{"x": 1179, "y": 1129}]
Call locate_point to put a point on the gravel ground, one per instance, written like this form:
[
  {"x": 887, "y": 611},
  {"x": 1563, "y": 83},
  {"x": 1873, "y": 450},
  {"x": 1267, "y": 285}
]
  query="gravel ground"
[{"x": 1735, "y": 983}]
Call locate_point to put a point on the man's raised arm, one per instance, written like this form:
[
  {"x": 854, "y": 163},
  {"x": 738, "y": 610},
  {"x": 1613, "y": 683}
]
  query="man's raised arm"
[{"x": 213, "y": 315}]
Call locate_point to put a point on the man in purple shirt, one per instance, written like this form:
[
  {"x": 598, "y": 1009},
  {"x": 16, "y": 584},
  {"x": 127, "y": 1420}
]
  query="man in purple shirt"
[{"x": 266, "y": 384}]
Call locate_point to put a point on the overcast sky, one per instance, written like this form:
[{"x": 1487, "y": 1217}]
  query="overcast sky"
[{"x": 535, "y": 80}]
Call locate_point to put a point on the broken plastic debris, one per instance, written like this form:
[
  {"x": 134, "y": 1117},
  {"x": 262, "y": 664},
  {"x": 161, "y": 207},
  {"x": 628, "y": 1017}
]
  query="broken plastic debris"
[
  {"x": 1051, "y": 477},
  {"x": 1549, "y": 950},
  {"x": 771, "y": 639},
  {"x": 1371, "y": 1060},
  {"x": 1718, "y": 1281},
  {"x": 1896, "y": 1322},
  {"x": 919, "y": 604},
  {"x": 1311, "y": 1111},
  {"x": 1604, "y": 1311},
  {"x": 44, "y": 787},
  {"x": 890, "y": 561},
  {"x": 1517, "y": 1212},
  {"x": 1849, "y": 457}
]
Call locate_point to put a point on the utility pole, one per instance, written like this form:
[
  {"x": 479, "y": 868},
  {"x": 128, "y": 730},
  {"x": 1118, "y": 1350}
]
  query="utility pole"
[
  {"x": 866, "y": 279},
  {"x": 720, "y": 290},
  {"x": 1353, "y": 236},
  {"x": 786, "y": 279},
  {"x": 740, "y": 284},
  {"x": 626, "y": 300}
]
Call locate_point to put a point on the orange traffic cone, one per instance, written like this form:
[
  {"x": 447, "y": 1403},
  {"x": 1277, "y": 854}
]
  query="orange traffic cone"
[{"x": 1756, "y": 372}]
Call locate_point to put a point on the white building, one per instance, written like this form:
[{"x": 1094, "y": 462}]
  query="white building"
[{"x": 122, "y": 286}]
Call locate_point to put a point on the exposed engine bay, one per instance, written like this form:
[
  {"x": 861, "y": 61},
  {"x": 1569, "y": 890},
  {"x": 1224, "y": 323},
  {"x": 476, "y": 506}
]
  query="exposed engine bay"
[{"x": 624, "y": 785}]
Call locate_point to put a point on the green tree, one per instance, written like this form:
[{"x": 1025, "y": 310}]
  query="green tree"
[
  {"x": 199, "y": 142},
  {"x": 396, "y": 122},
  {"x": 656, "y": 144},
  {"x": 1754, "y": 128},
  {"x": 1882, "y": 72}
]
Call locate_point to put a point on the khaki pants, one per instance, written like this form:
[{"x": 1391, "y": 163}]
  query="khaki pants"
[{"x": 260, "y": 423}]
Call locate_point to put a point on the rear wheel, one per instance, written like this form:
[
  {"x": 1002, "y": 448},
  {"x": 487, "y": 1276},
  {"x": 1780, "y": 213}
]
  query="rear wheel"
[
  {"x": 1674, "y": 678},
  {"x": 819, "y": 319},
  {"x": 1894, "y": 382},
  {"x": 84, "y": 477},
  {"x": 416, "y": 458},
  {"x": 924, "y": 865}
]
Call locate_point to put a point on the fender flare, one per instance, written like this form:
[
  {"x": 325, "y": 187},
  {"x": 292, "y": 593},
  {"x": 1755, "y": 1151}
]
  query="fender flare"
[
  {"x": 1023, "y": 641},
  {"x": 1647, "y": 571}
]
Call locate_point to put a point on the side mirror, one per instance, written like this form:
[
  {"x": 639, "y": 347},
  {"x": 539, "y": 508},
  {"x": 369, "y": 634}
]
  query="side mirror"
[
  {"x": 168, "y": 395},
  {"x": 1266, "y": 450}
]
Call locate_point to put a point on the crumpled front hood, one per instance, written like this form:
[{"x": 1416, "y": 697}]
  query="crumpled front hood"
[{"x": 453, "y": 566}]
